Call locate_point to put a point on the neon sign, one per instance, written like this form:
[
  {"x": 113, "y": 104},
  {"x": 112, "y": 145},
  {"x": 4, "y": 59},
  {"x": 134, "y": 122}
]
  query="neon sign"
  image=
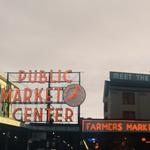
[
  {"x": 115, "y": 126},
  {"x": 39, "y": 96}
]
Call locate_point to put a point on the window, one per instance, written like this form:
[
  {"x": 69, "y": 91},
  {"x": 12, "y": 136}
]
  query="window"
[
  {"x": 128, "y": 98},
  {"x": 128, "y": 114},
  {"x": 105, "y": 107}
]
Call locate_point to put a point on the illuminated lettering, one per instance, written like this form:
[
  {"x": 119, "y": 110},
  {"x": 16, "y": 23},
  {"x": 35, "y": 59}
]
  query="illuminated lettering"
[
  {"x": 88, "y": 126},
  {"x": 43, "y": 77},
  {"x": 58, "y": 114},
  {"x": 120, "y": 128},
  {"x": 49, "y": 113},
  {"x": 65, "y": 76},
  {"x": 6, "y": 95},
  {"x": 69, "y": 115},
  {"x": 32, "y": 76},
  {"x": 48, "y": 95},
  {"x": 27, "y": 115},
  {"x": 58, "y": 93},
  {"x": 27, "y": 95},
  {"x": 38, "y": 95},
  {"x": 38, "y": 115},
  {"x": 51, "y": 77},
  {"x": 95, "y": 126},
  {"x": 14, "y": 113},
  {"x": 17, "y": 96},
  {"x": 22, "y": 76}
]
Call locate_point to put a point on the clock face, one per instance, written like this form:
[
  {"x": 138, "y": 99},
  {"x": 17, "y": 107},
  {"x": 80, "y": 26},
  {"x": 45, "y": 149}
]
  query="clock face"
[{"x": 74, "y": 95}]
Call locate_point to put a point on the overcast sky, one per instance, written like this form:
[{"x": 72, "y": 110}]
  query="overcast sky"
[{"x": 91, "y": 36}]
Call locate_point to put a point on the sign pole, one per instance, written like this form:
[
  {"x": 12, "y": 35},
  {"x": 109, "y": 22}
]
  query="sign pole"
[{"x": 6, "y": 103}]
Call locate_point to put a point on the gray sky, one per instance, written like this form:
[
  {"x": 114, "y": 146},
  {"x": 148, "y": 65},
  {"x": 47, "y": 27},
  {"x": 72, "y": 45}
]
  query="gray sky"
[{"x": 92, "y": 36}]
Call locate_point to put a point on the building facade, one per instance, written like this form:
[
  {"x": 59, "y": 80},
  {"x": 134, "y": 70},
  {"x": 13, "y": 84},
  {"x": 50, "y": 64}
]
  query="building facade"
[
  {"x": 127, "y": 96},
  {"x": 5, "y": 107}
]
